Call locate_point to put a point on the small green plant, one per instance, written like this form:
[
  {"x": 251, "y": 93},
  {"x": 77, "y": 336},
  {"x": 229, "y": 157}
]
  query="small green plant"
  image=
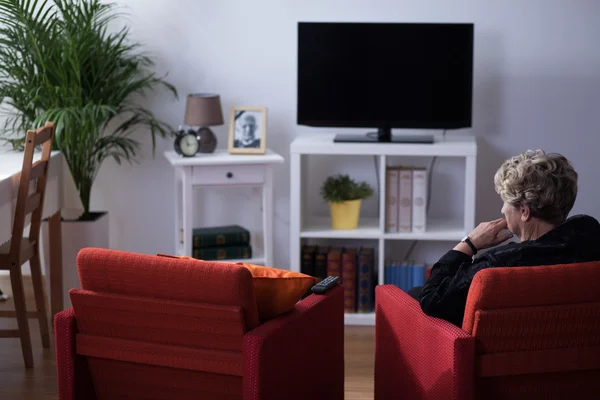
[{"x": 340, "y": 188}]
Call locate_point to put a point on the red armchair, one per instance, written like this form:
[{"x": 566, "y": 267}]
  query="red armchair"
[
  {"x": 528, "y": 333},
  {"x": 145, "y": 327}
]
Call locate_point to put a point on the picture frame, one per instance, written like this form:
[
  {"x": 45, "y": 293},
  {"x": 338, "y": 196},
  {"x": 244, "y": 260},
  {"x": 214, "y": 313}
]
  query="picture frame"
[{"x": 247, "y": 130}]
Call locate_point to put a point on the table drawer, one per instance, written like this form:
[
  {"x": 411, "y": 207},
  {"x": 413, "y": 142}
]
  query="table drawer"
[{"x": 228, "y": 175}]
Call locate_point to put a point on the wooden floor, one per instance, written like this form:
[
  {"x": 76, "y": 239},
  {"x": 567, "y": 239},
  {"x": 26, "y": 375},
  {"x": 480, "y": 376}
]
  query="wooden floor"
[
  {"x": 359, "y": 358},
  {"x": 16, "y": 382},
  {"x": 39, "y": 383}
]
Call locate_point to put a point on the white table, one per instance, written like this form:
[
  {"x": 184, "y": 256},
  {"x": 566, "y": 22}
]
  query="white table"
[
  {"x": 223, "y": 169},
  {"x": 61, "y": 201}
]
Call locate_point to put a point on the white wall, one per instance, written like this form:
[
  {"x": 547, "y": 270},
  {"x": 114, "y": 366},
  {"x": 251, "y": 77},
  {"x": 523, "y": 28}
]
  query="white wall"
[{"x": 536, "y": 85}]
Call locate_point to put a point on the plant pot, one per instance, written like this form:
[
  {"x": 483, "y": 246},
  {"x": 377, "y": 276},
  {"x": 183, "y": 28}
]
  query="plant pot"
[
  {"x": 76, "y": 235},
  {"x": 345, "y": 215}
]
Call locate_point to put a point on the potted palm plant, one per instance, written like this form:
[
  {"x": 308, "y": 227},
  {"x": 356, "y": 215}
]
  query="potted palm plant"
[
  {"x": 344, "y": 196},
  {"x": 60, "y": 62}
]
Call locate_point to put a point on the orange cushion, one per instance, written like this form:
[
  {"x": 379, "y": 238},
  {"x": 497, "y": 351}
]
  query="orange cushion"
[{"x": 276, "y": 290}]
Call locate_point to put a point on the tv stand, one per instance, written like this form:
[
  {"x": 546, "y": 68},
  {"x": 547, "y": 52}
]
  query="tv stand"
[
  {"x": 383, "y": 135},
  {"x": 312, "y": 226}
]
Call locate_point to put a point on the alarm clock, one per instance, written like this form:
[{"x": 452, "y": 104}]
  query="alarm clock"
[{"x": 187, "y": 143}]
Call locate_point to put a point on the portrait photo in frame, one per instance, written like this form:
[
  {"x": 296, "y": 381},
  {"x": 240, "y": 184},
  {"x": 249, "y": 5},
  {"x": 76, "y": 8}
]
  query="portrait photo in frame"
[{"x": 247, "y": 130}]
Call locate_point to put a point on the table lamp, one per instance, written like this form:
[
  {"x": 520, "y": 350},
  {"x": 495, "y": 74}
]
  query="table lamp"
[{"x": 204, "y": 110}]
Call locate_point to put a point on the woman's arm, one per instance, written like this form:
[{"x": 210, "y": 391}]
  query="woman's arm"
[{"x": 444, "y": 295}]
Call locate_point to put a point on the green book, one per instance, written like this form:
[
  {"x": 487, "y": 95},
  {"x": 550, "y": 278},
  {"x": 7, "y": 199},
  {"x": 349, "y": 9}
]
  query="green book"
[
  {"x": 223, "y": 253},
  {"x": 220, "y": 236}
]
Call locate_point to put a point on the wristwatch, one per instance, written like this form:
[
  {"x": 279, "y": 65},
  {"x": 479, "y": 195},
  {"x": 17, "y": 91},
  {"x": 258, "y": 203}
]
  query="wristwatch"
[{"x": 467, "y": 240}]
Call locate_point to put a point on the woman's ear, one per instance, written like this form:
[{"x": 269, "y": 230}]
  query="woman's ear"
[{"x": 525, "y": 213}]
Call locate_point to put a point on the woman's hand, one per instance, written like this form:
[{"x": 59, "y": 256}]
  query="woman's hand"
[{"x": 487, "y": 234}]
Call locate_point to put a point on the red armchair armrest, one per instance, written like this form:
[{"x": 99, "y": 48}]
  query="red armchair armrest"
[
  {"x": 299, "y": 355},
  {"x": 74, "y": 379},
  {"x": 418, "y": 357}
]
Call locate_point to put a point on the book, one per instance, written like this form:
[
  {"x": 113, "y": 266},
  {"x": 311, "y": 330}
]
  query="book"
[
  {"x": 220, "y": 236},
  {"x": 389, "y": 277},
  {"x": 400, "y": 274},
  {"x": 334, "y": 262},
  {"x": 405, "y": 275},
  {"x": 365, "y": 280},
  {"x": 321, "y": 262},
  {"x": 349, "y": 279},
  {"x": 375, "y": 280},
  {"x": 307, "y": 264},
  {"x": 223, "y": 253},
  {"x": 391, "y": 190},
  {"x": 387, "y": 274},
  {"x": 418, "y": 274},
  {"x": 419, "y": 200},
  {"x": 405, "y": 199}
]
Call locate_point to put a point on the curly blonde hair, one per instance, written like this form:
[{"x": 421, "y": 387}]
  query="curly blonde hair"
[{"x": 546, "y": 183}]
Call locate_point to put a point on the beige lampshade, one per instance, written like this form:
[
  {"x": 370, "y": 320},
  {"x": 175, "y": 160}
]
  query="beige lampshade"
[{"x": 203, "y": 109}]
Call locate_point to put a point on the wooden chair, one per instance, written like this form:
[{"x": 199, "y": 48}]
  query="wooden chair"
[{"x": 22, "y": 249}]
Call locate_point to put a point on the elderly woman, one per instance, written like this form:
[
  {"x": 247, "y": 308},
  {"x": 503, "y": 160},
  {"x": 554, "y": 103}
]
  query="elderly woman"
[{"x": 538, "y": 191}]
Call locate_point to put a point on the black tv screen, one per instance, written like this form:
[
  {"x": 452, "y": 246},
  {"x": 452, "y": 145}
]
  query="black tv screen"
[{"x": 385, "y": 75}]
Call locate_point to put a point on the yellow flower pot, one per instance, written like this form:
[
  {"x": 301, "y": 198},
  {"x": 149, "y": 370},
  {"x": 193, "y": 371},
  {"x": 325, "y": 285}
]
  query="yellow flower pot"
[{"x": 345, "y": 215}]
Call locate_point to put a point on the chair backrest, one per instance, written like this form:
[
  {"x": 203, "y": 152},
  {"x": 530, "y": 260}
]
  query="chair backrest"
[
  {"x": 163, "y": 327},
  {"x": 28, "y": 201},
  {"x": 537, "y": 331}
]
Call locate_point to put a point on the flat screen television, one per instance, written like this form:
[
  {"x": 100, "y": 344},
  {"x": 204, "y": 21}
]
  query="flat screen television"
[{"x": 384, "y": 76}]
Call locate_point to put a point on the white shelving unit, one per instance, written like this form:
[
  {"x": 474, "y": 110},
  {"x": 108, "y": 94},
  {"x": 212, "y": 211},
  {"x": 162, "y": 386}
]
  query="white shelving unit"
[{"x": 304, "y": 226}]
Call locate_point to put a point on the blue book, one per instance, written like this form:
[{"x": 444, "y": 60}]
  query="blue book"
[
  {"x": 386, "y": 274},
  {"x": 402, "y": 276},
  {"x": 419, "y": 274},
  {"x": 409, "y": 275},
  {"x": 397, "y": 275}
]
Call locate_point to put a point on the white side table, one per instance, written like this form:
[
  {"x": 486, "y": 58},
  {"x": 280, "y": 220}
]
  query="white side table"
[{"x": 222, "y": 169}]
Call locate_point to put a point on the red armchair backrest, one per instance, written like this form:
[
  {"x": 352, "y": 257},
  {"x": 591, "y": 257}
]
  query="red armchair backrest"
[
  {"x": 156, "y": 327},
  {"x": 537, "y": 330}
]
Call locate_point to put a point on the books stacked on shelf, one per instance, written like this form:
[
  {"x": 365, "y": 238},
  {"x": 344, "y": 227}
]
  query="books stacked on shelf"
[
  {"x": 406, "y": 275},
  {"x": 221, "y": 243},
  {"x": 355, "y": 267},
  {"x": 406, "y": 199}
]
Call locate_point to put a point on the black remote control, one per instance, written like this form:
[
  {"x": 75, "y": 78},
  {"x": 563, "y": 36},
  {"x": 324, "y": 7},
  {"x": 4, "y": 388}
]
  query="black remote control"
[{"x": 325, "y": 284}]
